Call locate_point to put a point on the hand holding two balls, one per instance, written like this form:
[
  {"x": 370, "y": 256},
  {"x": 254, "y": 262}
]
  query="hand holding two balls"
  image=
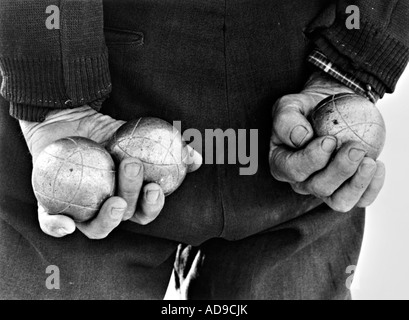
[{"x": 78, "y": 183}]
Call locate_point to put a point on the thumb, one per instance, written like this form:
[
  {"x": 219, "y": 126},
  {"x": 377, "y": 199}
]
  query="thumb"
[
  {"x": 290, "y": 124},
  {"x": 193, "y": 159},
  {"x": 55, "y": 225}
]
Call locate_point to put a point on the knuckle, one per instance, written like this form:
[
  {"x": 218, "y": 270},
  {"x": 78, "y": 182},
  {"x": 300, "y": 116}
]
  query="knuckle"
[
  {"x": 276, "y": 175},
  {"x": 142, "y": 219},
  {"x": 295, "y": 174},
  {"x": 341, "y": 207},
  {"x": 95, "y": 235},
  {"x": 321, "y": 191},
  {"x": 285, "y": 100},
  {"x": 297, "y": 188},
  {"x": 128, "y": 215},
  {"x": 129, "y": 195},
  {"x": 345, "y": 170},
  {"x": 359, "y": 185},
  {"x": 144, "y": 222},
  {"x": 281, "y": 105},
  {"x": 364, "y": 204},
  {"x": 274, "y": 168},
  {"x": 278, "y": 105}
]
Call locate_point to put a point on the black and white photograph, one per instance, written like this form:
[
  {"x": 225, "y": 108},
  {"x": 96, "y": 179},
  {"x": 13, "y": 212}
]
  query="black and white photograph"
[{"x": 226, "y": 151}]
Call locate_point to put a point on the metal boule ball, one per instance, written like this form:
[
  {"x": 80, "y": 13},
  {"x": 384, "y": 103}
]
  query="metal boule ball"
[
  {"x": 73, "y": 176},
  {"x": 350, "y": 117},
  {"x": 158, "y": 145}
]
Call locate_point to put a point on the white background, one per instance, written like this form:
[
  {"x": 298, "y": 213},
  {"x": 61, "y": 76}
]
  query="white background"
[{"x": 383, "y": 268}]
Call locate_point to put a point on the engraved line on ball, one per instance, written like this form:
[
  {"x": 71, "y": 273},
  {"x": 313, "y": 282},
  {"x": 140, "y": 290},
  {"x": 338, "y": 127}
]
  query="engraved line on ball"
[
  {"x": 171, "y": 145},
  {"x": 333, "y": 99},
  {"x": 76, "y": 164},
  {"x": 347, "y": 124},
  {"x": 65, "y": 202},
  {"x": 155, "y": 141},
  {"x": 366, "y": 130},
  {"x": 133, "y": 130},
  {"x": 150, "y": 163},
  {"x": 80, "y": 181}
]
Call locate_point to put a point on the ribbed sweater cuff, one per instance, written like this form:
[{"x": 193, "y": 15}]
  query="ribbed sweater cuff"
[
  {"x": 35, "y": 86},
  {"x": 371, "y": 55},
  {"x": 39, "y": 114}
]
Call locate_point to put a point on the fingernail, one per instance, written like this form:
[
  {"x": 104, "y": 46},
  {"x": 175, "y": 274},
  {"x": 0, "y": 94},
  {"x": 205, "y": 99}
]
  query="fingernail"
[
  {"x": 356, "y": 155},
  {"x": 298, "y": 135},
  {"x": 117, "y": 212},
  {"x": 133, "y": 169},
  {"x": 329, "y": 144},
  {"x": 152, "y": 196}
]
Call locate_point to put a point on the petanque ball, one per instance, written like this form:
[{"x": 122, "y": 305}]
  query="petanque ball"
[
  {"x": 158, "y": 145},
  {"x": 351, "y": 117},
  {"x": 73, "y": 176}
]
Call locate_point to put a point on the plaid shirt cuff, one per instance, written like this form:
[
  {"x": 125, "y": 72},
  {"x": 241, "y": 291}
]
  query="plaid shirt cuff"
[{"x": 321, "y": 61}]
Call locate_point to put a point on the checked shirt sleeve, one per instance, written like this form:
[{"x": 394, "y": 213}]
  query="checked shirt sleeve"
[{"x": 377, "y": 53}]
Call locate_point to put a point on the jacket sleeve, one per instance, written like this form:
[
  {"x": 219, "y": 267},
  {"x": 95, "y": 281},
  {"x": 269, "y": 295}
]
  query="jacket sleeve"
[
  {"x": 46, "y": 65},
  {"x": 377, "y": 52}
]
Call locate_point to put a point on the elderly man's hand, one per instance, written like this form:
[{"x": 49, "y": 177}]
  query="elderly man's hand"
[
  {"x": 134, "y": 201},
  {"x": 342, "y": 179}
]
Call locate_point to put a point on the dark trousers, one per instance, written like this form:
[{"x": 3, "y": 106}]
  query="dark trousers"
[{"x": 210, "y": 64}]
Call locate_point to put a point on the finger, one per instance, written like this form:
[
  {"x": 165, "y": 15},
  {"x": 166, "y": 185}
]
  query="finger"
[
  {"x": 339, "y": 170},
  {"x": 108, "y": 218},
  {"x": 193, "y": 159},
  {"x": 55, "y": 225},
  {"x": 289, "y": 166},
  {"x": 130, "y": 179},
  {"x": 150, "y": 204},
  {"x": 290, "y": 124},
  {"x": 346, "y": 198},
  {"x": 375, "y": 187},
  {"x": 184, "y": 260},
  {"x": 194, "y": 269},
  {"x": 177, "y": 262},
  {"x": 191, "y": 276}
]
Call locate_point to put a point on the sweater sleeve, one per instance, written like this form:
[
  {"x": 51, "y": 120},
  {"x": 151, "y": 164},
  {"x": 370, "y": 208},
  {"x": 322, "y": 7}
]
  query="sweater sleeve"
[
  {"x": 376, "y": 52},
  {"x": 46, "y": 68}
]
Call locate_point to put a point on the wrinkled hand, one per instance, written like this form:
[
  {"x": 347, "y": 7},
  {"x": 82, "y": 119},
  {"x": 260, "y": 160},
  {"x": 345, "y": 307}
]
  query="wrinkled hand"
[
  {"x": 134, "y": 201},
  {"x": 342, "y": 179}
]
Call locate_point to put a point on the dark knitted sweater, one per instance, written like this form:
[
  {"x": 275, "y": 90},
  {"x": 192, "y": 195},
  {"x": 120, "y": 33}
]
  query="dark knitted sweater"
[
  {"x": 68, "y": 67},
  {"x": 59, "y": 68}
]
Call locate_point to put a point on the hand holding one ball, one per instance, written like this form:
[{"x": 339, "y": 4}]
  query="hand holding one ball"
[{"x": 325, "y": 142}]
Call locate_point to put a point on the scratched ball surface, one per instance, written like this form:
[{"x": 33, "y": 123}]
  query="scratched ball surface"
[
  {"x": 73, "y": 176},
  {"x": 350, "y": 117},
  {"x": 158, "y": 145}
]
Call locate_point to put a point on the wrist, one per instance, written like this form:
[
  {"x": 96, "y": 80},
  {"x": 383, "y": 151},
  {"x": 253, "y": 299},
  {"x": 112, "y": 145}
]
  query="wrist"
[
  {"x": 83, "y": 121},
  {"x": 326, "y": 66},
  {"x": 29, "y": 128},
  {"x": 320, "y": 85}
]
